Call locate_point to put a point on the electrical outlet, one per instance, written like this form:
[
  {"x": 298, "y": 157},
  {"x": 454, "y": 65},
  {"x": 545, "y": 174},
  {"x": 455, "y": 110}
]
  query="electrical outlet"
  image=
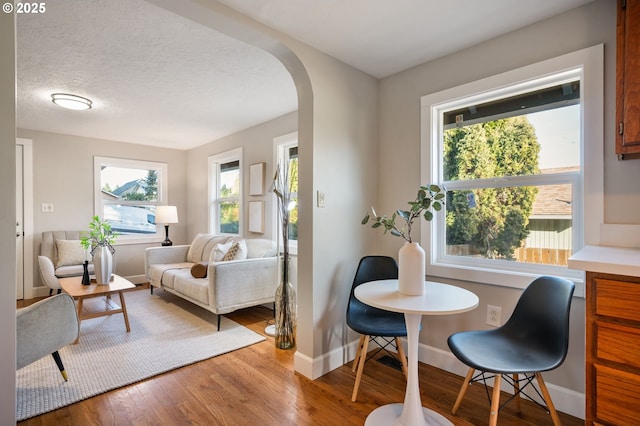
[
  {"x": 494, "y": 315},
  {"x": 47, "y": 208}
]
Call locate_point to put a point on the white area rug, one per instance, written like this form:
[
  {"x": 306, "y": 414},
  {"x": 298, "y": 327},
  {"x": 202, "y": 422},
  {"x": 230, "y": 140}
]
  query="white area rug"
[{"x": 166, "y": 333}]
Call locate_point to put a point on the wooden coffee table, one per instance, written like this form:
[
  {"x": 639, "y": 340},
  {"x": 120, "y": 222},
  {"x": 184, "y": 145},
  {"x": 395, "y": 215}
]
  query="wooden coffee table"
[{"x": 94, "y": 300}]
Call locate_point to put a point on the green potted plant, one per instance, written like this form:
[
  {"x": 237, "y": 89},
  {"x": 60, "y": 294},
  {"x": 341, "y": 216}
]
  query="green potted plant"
[
  {"x": 430, "y": 197},
  {"x": 99, "y": 242},
  {"x": 411, "y": 271}
]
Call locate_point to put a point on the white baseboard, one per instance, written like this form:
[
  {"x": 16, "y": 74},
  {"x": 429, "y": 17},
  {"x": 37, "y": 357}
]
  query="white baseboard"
[
  {"x": 137, "y": 279},
  {"x": 314, "y": 368},
  {"x": 565, "y": 400},
  {"x": 40, "y": 292},
  {"x": 304, "y": 365}
]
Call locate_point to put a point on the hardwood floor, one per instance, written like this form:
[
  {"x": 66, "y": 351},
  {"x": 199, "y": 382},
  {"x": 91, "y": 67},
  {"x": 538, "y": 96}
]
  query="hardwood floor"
[{"x": 257, "y": 386}]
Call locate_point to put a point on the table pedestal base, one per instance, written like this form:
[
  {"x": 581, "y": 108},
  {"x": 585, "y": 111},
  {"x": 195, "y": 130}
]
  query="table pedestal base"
[{"x": 389, "y": 415}]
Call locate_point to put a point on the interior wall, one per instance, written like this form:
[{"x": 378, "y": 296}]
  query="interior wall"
[
  {"x": 70, "y": 189},
  {"x": 257, "y": 144},
  {"x": 337, "y": 134},
  {"x": 400, "y": 132},
  {"x": 345, "y": 132},
  {"x": 338, "y": 147},
  {"x": 7, "y": 219}
]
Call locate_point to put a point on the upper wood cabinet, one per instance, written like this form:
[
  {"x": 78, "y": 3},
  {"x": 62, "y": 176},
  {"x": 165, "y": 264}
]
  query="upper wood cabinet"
[{"x": 628, "y": 78}]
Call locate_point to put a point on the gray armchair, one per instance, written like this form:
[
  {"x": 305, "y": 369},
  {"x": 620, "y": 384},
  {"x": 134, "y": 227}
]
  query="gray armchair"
[
  {"x": 50, "y": 267},
  {"x": 44, "y": 328}
]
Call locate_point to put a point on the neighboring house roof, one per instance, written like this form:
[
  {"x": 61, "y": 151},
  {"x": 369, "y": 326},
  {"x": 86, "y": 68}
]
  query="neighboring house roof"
[
  {"x": 132, "y": 187},
  {"x": 109, "y": 195},
  {"x": 553, "y": 201}
]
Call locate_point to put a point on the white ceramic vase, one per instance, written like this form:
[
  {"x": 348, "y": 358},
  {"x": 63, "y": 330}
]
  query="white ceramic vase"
[
  {"x": 411, "y": 272},
  {"x": 103, "y": 264}
]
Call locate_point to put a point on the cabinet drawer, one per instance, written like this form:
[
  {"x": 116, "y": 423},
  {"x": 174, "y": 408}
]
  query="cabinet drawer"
[
  {"x": 618, "y": 343},
  {"x": 617, "y": 396},
  {"x": 617, "y": 299}
]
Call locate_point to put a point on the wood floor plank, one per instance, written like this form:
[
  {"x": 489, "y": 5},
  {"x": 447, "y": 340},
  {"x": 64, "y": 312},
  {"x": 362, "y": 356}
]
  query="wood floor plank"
[{"x": 257, "y": 385}]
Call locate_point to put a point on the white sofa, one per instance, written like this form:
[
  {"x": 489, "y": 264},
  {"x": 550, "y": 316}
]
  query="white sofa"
[{"x": 248, "y": 280}]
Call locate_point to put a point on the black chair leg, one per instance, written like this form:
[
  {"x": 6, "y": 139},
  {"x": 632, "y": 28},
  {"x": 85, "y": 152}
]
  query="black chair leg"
[
  {"x": 59, "y": 290},
  {"x": 50, "y": 292},
  {"x": 58, "y": 360},
  {"x": 218, "y": 321}
]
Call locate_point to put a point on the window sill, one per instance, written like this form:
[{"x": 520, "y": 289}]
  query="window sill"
[
  {"x": 127, "y": 240},
  {"x": 505, "y": 278}
]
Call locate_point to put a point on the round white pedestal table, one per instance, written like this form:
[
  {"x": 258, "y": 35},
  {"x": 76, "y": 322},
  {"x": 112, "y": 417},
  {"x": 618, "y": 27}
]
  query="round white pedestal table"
[{"x": 438, "y": 299}]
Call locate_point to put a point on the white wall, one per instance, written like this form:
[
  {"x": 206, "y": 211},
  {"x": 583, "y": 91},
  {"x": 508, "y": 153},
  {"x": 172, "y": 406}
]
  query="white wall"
[
  {"x": 344, "y": 150},
  {"x": 70, "y": 189},
  {"x": 338, "y": 125},
  {"x": 400, "y": 133},
  {"x": 7, "y": 219},
  {"x": 257, "y": 144},
  {"x": 337, "y": 133}
]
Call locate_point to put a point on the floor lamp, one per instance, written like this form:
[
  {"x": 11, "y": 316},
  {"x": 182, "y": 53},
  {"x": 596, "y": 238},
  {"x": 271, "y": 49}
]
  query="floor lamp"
[{"x": 166, "y": 215}]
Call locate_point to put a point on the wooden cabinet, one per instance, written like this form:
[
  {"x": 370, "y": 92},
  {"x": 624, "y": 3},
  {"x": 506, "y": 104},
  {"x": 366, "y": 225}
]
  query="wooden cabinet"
[
  {"x": 628, "y": 78},
  {"x": 613, "y": 349}
]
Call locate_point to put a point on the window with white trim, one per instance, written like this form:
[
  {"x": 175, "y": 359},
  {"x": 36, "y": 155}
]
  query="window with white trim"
[
  {"x": 127, "y": 193},
  {"x": 511, "y": 152},
  {"x": 286, "y": 148},
  {"x": 225, "y": 177}
]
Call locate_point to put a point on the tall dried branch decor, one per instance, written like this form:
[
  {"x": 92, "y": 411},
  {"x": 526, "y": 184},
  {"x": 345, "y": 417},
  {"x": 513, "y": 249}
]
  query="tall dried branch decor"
[{"x": 285, "y": 299}]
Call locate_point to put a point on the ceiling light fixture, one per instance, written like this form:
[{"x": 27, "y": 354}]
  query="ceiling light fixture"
[{"x": 68, "y": 101}]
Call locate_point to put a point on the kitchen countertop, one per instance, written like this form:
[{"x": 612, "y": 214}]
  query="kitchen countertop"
[{"x": 608, "y": 260}]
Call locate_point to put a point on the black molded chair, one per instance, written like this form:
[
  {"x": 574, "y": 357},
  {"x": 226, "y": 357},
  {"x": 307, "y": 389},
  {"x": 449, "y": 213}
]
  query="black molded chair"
[
  {"x": 533, "y": 340},
  {"x": 377, "y": 325}
]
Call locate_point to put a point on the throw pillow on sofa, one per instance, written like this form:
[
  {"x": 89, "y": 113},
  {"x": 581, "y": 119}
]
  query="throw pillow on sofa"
[
  {"x": 238, "y": 251},
  {"x": 219, "y": 251},
  {"x": 231, "y": 250},
  {"x": 199, "y": 270},
  {"x": 202, "y": 246},
  {"x": 231, "y": 254},
  {"x": 70, "y": 252}
]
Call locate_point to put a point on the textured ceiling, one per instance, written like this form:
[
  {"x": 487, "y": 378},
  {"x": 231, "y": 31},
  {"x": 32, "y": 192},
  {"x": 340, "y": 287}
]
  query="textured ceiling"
[
  {"x": 155, "y": 78},
  {"x": 159, "y": 79}
]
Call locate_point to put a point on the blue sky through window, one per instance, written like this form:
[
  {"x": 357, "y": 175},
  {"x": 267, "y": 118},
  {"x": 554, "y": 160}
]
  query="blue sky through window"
[{"x": 558, "y": 132}]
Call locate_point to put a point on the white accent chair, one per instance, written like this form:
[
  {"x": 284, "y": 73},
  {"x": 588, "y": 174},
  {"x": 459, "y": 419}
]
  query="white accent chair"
[
  {"x": 44, "y": 328},
  {"x": 50, "y": 271}
]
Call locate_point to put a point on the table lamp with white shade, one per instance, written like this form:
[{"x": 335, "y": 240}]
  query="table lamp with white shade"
[{"x": 166, "y": 215}]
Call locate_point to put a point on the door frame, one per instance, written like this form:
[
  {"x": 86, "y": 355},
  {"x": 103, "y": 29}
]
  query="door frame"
[{"x": 27, "y": 211}]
